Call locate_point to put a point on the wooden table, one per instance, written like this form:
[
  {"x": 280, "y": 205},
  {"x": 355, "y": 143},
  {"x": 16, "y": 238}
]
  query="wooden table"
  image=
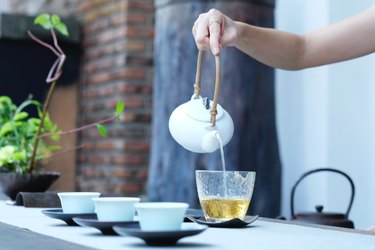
[{"x": 27, "y": 228}]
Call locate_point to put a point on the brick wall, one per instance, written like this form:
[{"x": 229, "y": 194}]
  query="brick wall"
[{"x": 117, "y": 64}]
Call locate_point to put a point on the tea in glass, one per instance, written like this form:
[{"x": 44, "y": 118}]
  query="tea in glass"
[{"x": 224, "y": 195}]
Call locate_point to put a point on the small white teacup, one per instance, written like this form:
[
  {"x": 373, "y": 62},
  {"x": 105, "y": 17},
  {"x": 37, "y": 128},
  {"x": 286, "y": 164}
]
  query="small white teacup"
[
  {"x": 161, "y": 216},
  {"x": 78, "y": 202},
  {"x": 115, "y": 208}
]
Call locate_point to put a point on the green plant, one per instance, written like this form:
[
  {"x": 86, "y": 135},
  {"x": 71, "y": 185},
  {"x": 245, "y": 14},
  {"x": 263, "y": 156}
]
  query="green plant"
[
  {"x": 22, "y": 138},
  {"x": 17, "y": 134}
]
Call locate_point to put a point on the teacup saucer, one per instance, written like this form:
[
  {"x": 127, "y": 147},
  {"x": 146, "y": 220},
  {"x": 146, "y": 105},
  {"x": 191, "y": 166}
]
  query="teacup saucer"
[
  {"x": 234, "y": 223},
  {"x": 160, "y": 238},
  {"x": 106, "y": 227},
  {"x": 58, "y": 213}
]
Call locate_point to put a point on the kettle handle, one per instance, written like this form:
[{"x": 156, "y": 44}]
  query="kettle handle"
[
  {"x": 197, "y": 85},
  {"x": 320, "y": 170}
]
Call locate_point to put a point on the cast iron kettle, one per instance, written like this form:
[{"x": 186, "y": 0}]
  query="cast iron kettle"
[{"x": 320, "y": 217}]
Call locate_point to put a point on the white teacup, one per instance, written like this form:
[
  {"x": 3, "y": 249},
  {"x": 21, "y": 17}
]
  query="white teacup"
[
  {"x": 161, "y": 216},
  {"x": 115, "y": 208},
  {"x": 78, "y": 202}
]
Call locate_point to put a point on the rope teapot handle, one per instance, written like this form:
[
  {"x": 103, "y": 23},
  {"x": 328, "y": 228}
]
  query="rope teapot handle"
[{"x": 197, "y": 85}]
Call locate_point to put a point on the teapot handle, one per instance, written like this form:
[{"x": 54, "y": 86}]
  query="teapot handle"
[
  {"x": 197, "y": 85},
  {"x": 320, "y": 170}
]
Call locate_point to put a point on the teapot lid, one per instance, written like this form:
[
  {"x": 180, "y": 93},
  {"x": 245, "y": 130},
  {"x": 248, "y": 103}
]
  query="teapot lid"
[{"x": 199, "y": 109}]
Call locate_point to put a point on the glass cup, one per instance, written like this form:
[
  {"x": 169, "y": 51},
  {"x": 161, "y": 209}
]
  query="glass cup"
[{"x": 224, "y": 195}]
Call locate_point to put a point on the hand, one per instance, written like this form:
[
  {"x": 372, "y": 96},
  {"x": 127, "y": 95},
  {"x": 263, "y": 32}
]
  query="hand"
[{"x": 213, "y": 30}]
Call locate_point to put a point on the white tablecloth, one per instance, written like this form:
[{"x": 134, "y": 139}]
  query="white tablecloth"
[{"x": 262, "y": 235}]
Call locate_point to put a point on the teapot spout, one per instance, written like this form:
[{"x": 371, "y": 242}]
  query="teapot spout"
[{"x": 210, "y": 142}]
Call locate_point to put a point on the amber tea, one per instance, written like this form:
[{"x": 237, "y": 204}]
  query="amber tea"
[
  {"x": 224, "y": 209},
  {"x": 224, "y": 195}
]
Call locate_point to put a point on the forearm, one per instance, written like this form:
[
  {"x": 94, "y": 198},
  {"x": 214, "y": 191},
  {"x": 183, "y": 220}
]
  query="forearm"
[
  {"x": 347, "y": 39},
  {"x": 272, "y": 47}
]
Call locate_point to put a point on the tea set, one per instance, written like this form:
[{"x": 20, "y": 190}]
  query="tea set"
[{"x": 199, "y": 125}]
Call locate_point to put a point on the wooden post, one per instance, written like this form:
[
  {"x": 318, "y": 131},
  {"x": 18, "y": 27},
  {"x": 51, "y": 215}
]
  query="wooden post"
[{"x": 247, "y": 93}]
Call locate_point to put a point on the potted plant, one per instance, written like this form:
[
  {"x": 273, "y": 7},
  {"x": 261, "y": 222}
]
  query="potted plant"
[
  {"x": 23, "y": 139},
  {"x": 17, "y": 134}
]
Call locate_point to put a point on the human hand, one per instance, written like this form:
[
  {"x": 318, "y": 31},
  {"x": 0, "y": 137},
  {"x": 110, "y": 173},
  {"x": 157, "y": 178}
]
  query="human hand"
[{"x": 213, "y": 30}]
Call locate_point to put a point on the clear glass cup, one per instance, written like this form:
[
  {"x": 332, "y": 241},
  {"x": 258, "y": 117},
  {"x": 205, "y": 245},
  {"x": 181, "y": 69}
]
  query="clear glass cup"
[{"x": 224, "y": 195}]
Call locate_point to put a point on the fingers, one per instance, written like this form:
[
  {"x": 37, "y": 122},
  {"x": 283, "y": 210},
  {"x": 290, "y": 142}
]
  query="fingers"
[
  {"x": 207, "y": 31},
  {"x": 215, "y": 30}
]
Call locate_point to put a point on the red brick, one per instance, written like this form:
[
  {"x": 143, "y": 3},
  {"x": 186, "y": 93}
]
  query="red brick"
[
  {"x": 131, "y": 188},
  {"x": 137, "y": 146},
  {"x": 130, "y": 73},
  {"x": 98, "y": 159},
  {"x": 128, "y": 89},
  {"x": 147, "y": 89},
  {"x": 128, "y": 160},
  {"x": 121, "y": 173},
  {"x": 145, "y": 6},
  {"x": 135, "y": 46},
  {"x": 90, "y": 4},
  {"x": 135, "y": 18},
  {"x": 142, "y": 174},
  {"x": 98, "y": 65},
  {"x": 88, "y": 146},
  {"x": 134, "y": 102},
  {"x": 96, "y": 26},
  {"x": 118, "y": 19},
  {"x": 99, "y": 78},
  {"x": 106, "y": 145},
  {"x": 89, "y": 172},
  {"x": 139, "y": 60},
  {"x": 139, "y": 32}
]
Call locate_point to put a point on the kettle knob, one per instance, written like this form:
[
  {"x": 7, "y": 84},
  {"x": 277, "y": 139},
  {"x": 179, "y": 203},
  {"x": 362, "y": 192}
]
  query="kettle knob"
[{"x": 319, "y": 208}]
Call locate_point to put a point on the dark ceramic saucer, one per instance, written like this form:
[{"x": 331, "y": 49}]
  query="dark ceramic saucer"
[
  {"x": 234, "y": 223},
  {"x": 106, "y": 227},
  {"x": 160, "y": 238},
  {"x": 58, "y": 213},
  {"x": 192, "y": 213}
]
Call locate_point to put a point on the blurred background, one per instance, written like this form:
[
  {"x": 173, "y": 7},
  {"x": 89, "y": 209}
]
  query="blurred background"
[{"x": 320, "y": 117}]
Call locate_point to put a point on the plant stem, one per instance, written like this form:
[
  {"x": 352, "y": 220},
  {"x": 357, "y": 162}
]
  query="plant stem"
[
  {"x": 65, "y": 151},
  {"x": 52, "y": 80},
  {"x": 36, "y": 141},
  {"x": 75, "y": 130}
]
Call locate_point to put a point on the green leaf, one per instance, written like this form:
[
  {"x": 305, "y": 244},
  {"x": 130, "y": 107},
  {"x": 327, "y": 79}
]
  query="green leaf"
[
  {"x": 55, "y": 137},
  {"x": 62, "y": 29},
  {"x": 53, "y": 147},
  {"x": 48, "y": 125},
  {"x": 102, "y": 130},
  {"x": 55, "y": 19},
  {"x": 120, "y": 107},
  {"x": 6, "y": 128},
  {"x": 20, "y": 116},
  {"x": 44, "y": 21}
]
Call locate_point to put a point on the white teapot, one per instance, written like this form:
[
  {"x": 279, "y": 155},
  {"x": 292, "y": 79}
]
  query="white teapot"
[{"x": 201, "y": 125}]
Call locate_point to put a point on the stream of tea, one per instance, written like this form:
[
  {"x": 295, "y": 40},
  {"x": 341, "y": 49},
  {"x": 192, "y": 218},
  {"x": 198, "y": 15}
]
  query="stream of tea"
[
  {"x": 222, "y": 209},
  {"x": 221, "y": 151}
]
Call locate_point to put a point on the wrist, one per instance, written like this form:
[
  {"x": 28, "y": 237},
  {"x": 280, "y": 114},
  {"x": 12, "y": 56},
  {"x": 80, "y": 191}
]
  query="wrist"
[{"x": 239, "y": 27}]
